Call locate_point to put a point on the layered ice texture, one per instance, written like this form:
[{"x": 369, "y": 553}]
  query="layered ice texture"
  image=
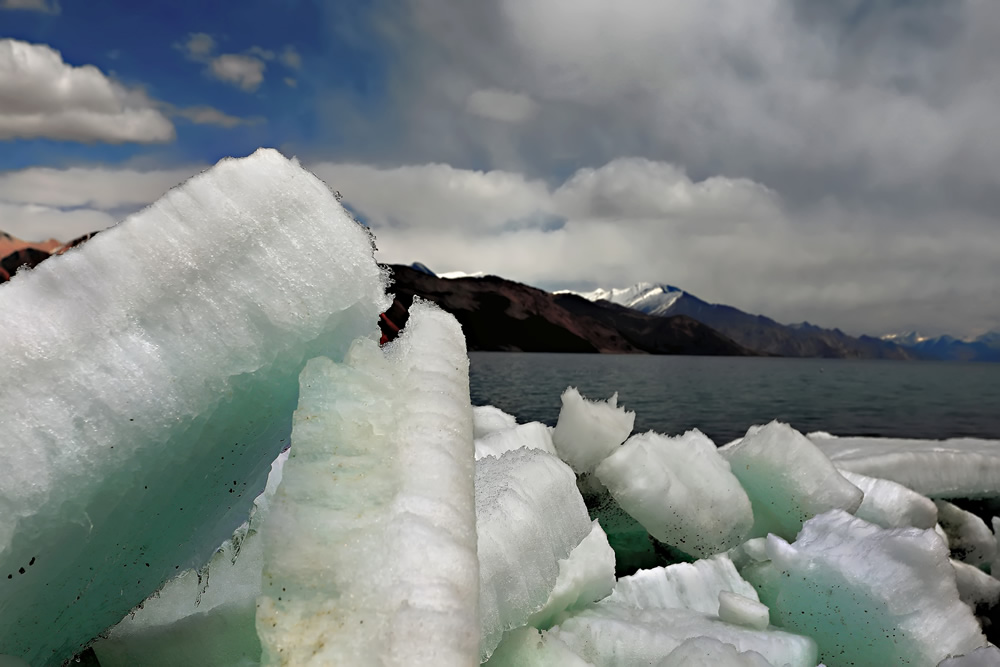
[
  {"x": 681, "y": 491},
  {"x": 148, "y": 381},
  {"x": 404, "y": 526},
  {"x": 956, "y": 468},
  {"x": 370, "y": 547}
]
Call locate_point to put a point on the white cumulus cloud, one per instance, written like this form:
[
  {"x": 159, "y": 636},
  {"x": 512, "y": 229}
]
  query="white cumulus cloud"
[{"x": 41, "y": 96}]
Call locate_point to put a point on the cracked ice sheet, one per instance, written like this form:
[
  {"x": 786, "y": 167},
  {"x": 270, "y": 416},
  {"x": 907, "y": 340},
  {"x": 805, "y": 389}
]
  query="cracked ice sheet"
[
  {"x": 148, "y": 381},
  {"x": 370, "y": 546}
]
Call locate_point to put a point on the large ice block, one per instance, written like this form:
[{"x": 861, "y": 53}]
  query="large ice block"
[
  {"x": 530, "y": 516},
  {"x": 148, "y": 381},
  {"x": 588, "y": 431},
  {"x": 955, "y": 468},
  {"x": 370, "y": 546},
  {"x": 681, "y": 490},
  {"x": 867, "y": 595},
  {"x": 787, "y": 478}
]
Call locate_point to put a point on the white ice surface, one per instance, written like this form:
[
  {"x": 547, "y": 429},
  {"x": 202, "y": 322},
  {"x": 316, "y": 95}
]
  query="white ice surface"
[
  {"x": 708, "y": 652},
  {"x": 955, "y": 468},
  {"x": 787, "y": 478},
  {"x": 867, "y": 595},
  {"x": 695, "y": 586},
  {"x": 681, "y": 490},
  {"x": 588, "y": 431},
  {"x": 741, "y": 610},
  {"x": 533, "y": 435},
  {"x": 147, "y": 370},
  {"x": 370, "y": 544},
  {"x": 892, "y": 505},
  {"x": 529, "y": 516},
  {"x": 610, "y": 635},
  {"x": 488, "y": 419},
  {"x": 987, "y": 656},
  {"x": 585, "y": 576},
  {"x": 976, "y": 588},
  {"x": 527, "y": 647}
]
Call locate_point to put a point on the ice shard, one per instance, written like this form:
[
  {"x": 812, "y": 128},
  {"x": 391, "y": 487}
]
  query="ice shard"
[
  {"x": 370, "y": 546},
  {"x": 149, "y": 379}
]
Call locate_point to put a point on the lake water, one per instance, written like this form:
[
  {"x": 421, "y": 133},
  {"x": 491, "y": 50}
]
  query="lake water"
[{"x": 722, "y": 396}]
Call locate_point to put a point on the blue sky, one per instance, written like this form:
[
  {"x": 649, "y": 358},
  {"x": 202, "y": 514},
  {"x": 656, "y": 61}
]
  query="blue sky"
[{"x": 835, "y": 161}]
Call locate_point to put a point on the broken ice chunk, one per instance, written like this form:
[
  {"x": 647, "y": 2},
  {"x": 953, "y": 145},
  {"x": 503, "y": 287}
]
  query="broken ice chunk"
[
  {"x": 740, "y": 610},
  {"x": 588, "y": 431},
  {"x": 787, "y": 478},
  {"x": 148, "y": 382},
  {"x": 370, "y": 546},
  {"x": 892, "y": 505},
  {"x": 681, "y": 490},
  {"x": 529, "y": 516},
  {"x": 969, "y": 538},
  {"x": 487, "y": 419},
  {"x": 694, "y": 586},
  {"x": 867, "y": 595},
  {"x": 585, "y": 576},
  {"x": 534, "y": 435}
]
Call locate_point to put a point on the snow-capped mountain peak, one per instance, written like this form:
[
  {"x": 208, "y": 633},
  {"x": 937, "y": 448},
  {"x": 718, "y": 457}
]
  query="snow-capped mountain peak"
[{"x": 649, "y": 298}]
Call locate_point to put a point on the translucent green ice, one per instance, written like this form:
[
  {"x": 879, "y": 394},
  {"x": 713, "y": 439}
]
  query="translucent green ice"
[{"x": 149, "y": 379}]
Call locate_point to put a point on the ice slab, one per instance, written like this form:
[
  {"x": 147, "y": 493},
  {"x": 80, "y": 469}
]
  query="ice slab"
[
  {"x": 487, "y": 419},
  {"x": 969, "y": 538},
  {"x": 529, "y": 516},
  {"x": 892, "y": 505},
  {"x": 955, "y": 468},
  {"x": 147, "y": 371},
  {"x": 588, "y": 431},
  {"x": 867, "y": 595},
  {"x": 533, "y": 435},
  {"x": 202, "y": 616},
  {"x": 610, "y": 635},
  {"x": 694, "y": 586},
  {"x": 745, "y": 611},
  {"x": 585, "y": 576},
  {"x": 681, "y": 490},
  {"x": 370, "y": 546},
  {"x": 976, "y": 588},
  {"x": 787, "y": 478},
  {"x": 708, "y": 652}
]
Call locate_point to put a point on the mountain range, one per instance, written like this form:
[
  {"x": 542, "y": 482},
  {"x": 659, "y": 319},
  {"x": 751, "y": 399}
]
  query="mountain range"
[
  {"x": 499, "y": 314},
  {"x": 755, "y": 332}
]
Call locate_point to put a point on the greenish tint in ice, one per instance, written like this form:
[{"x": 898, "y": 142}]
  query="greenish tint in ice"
[
  {"x": 788, "y": 479},
  {"x": 148, "y": 382},
  {"x": 681, "y": 490},
  {"x": 204, "y": 615},
  {"x": 867, "y": 595},
  {"x": 370, "y": 544}
]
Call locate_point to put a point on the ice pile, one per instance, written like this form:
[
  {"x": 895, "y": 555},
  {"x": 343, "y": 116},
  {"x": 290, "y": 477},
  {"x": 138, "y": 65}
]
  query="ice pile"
[{"x": 172, "y": 359}]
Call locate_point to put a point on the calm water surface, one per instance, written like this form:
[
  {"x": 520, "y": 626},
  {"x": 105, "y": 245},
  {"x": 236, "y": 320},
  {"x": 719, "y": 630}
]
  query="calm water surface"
[{"x": 722, "y": 396}]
